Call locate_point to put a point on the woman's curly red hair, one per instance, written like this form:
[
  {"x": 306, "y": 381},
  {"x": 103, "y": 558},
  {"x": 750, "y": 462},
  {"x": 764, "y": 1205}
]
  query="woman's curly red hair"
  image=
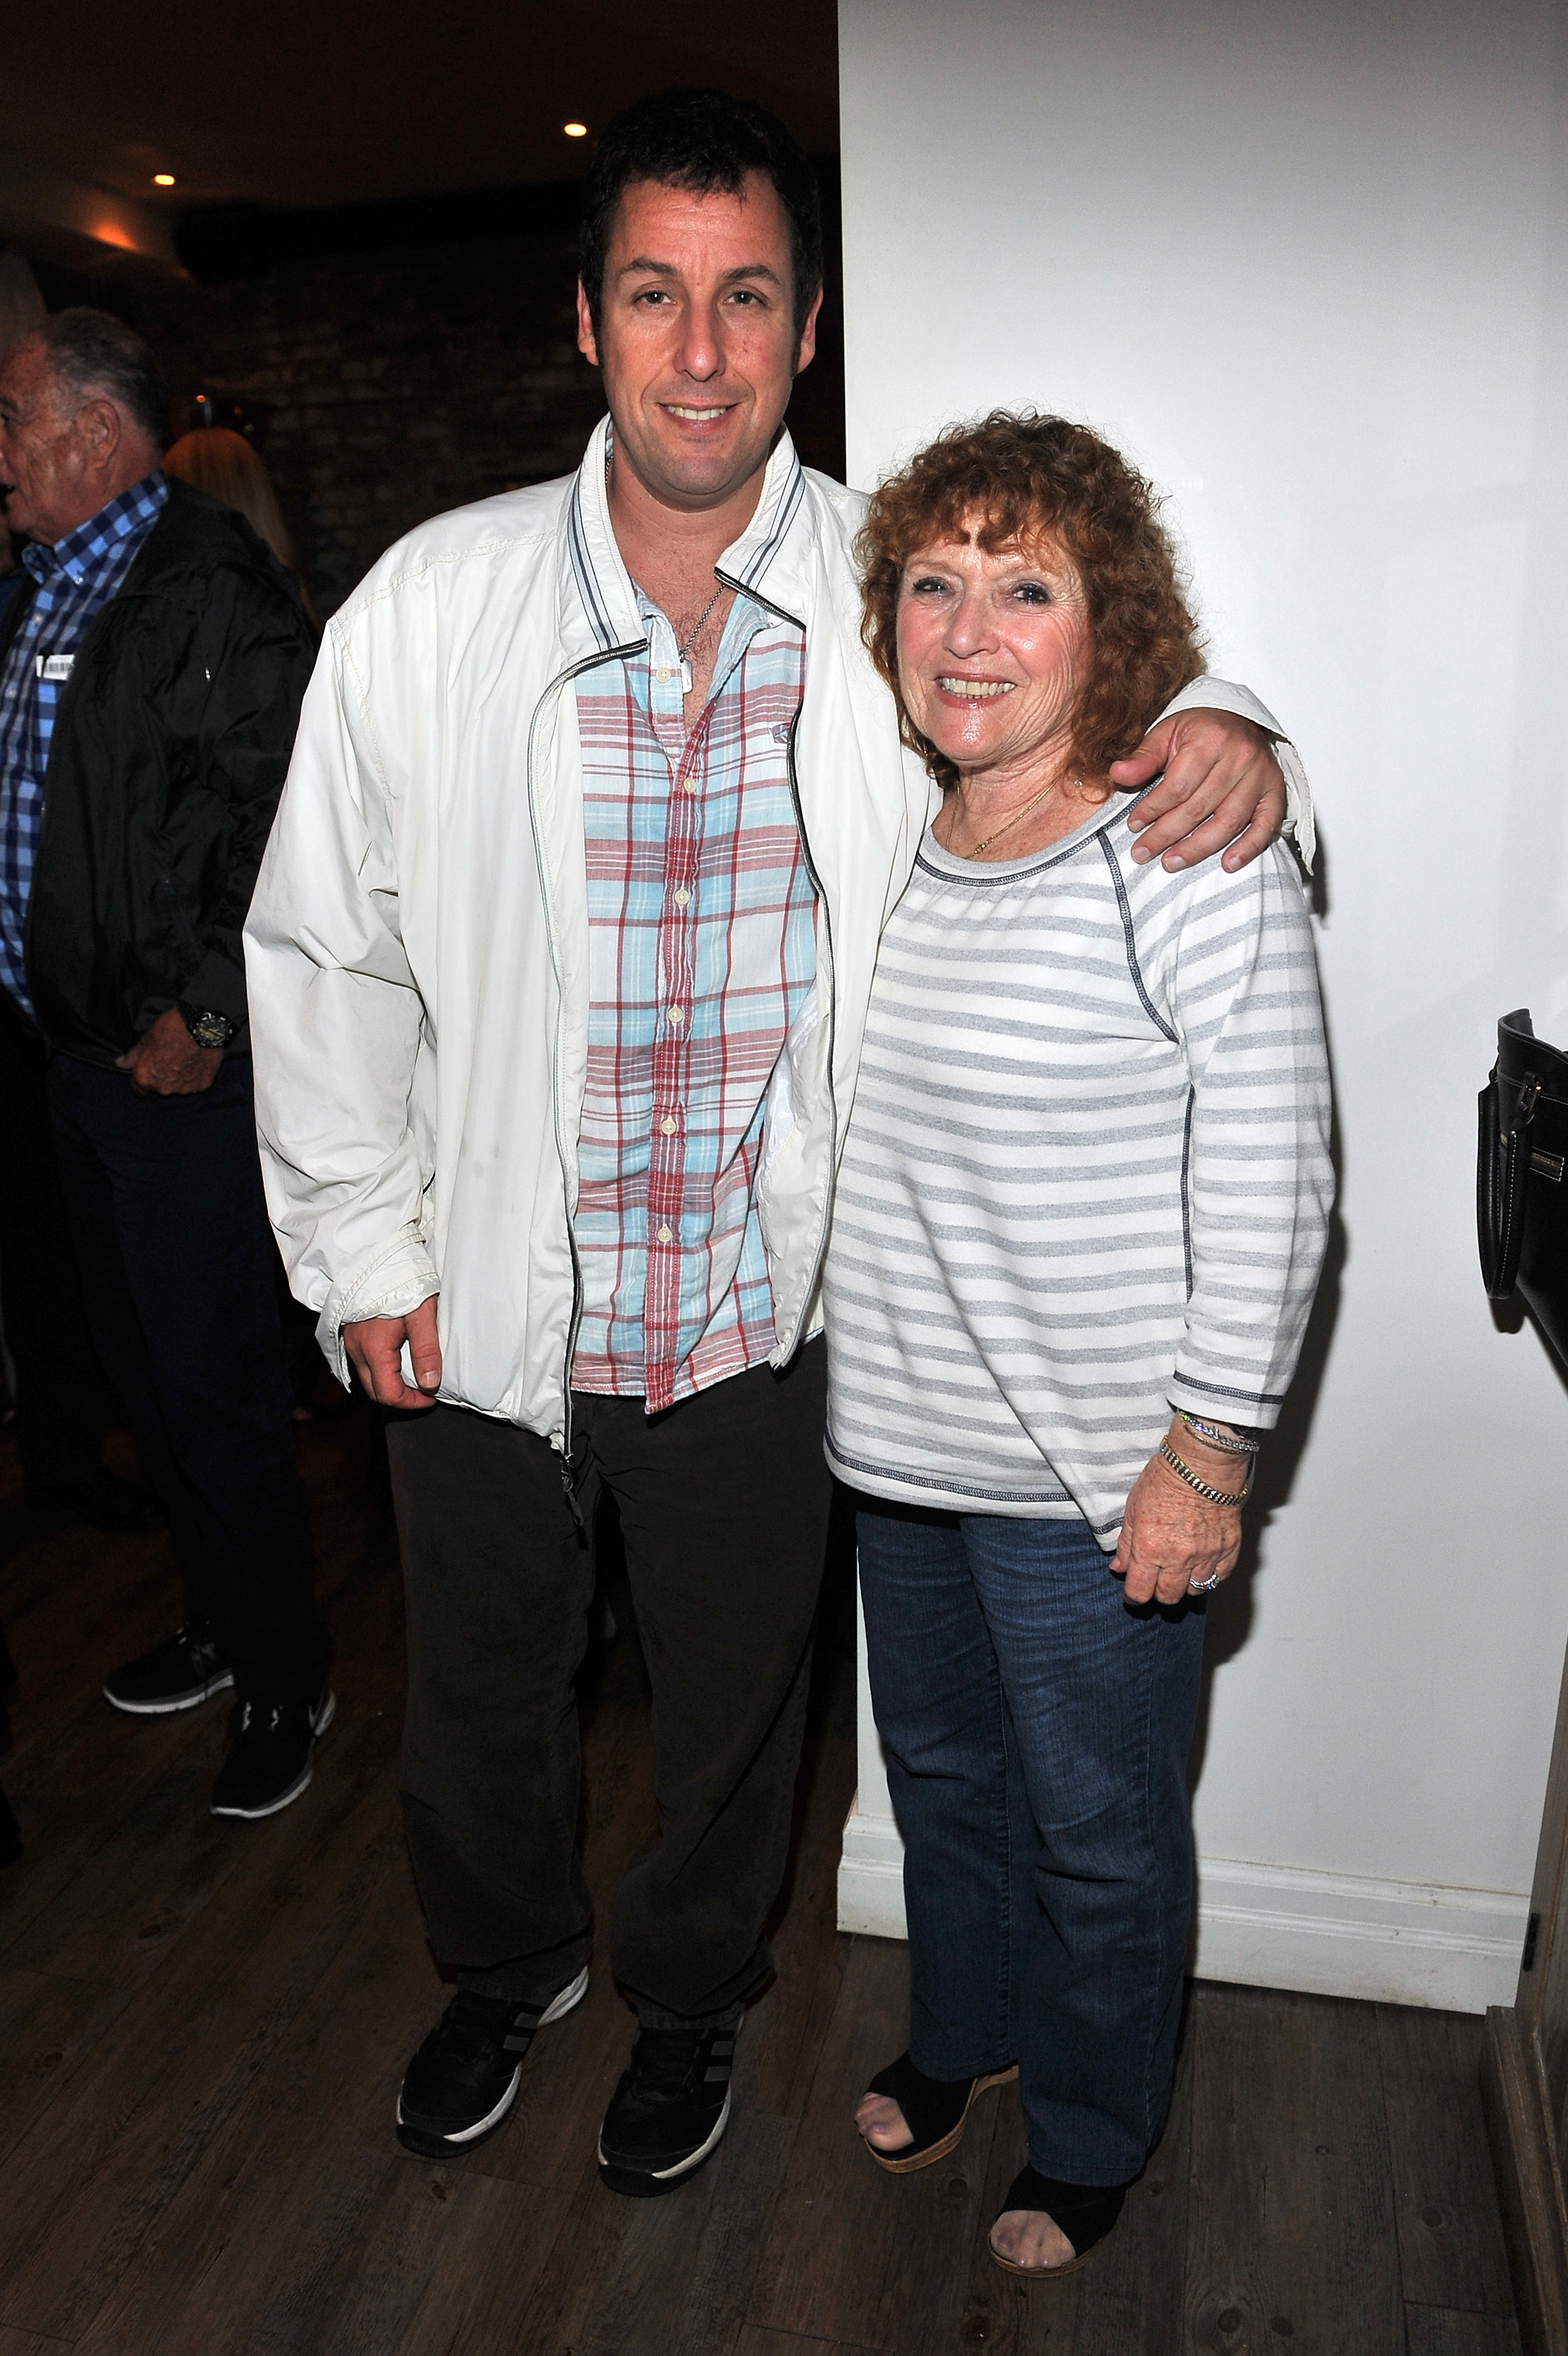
[{"x": 1017, "y": 478}]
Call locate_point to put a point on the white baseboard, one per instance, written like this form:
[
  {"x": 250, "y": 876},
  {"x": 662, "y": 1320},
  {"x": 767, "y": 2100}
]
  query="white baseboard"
[
  {"x": 1281, "y": 1927},
  {"x": 1338, "y": 1935},
  {"x": 872, "y": 1876}
]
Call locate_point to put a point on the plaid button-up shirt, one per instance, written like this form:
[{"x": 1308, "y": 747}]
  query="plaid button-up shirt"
[
  {"x": 702, "y": 950},
  {"x": 75, "y": 578}
]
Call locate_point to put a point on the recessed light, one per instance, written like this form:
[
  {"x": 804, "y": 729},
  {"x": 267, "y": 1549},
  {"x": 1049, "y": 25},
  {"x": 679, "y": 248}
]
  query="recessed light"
[
  {"x": 575, "y": 130},
  {"x": 163, "y": 179}
]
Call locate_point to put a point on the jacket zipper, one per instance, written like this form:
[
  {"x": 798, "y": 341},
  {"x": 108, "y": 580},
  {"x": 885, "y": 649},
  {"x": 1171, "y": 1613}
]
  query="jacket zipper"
[
  {"x": 590, "y": 662},
  {"x": 742, "y": 591}
]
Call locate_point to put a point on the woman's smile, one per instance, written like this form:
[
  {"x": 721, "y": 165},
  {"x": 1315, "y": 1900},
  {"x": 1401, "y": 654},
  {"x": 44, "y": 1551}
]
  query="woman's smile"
[{"x": 973, "y": 690}]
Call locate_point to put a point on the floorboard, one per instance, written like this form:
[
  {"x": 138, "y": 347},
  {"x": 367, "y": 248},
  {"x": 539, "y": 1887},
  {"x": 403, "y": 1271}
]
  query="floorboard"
[
  {"x": 1290, "y": 2204},
  {"x": 1443, "y": 2332},
  {"x": 755, "y": 2340},
  {"x": 202, "y": 2029},
  {"x": 1450, "y": 2234},
  {"x": 46, "y": 2026},
  {"x": 854, "y": 2253}
]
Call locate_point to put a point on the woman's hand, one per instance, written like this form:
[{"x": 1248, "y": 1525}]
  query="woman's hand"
[{"x": 1172, "y": 1539}]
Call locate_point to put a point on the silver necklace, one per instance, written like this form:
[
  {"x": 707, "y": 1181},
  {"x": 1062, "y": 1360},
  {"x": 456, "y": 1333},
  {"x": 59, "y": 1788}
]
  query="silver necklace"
[{"x": 683, "y": 652}]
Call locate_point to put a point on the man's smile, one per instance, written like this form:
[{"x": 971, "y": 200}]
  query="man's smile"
[{"x": 690, "y": 414}]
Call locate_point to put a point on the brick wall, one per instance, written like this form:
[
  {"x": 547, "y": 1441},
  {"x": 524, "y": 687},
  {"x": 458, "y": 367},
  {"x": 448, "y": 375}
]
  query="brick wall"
[{"x": 391, "y": 386}]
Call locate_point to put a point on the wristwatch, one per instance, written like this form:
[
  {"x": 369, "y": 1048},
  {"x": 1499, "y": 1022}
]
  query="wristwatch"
[{"x": 206, "y": 1026}]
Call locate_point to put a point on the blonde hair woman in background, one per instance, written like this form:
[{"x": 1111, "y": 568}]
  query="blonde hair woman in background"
[{"x": 221, "y": 463}]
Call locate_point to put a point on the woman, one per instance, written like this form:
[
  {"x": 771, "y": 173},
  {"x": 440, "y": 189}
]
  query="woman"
[
  {"x": 1081, "y": 1209},
  {"x": 221, "y": 463}
]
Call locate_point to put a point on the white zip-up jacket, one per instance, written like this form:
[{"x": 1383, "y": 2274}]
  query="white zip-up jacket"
[{"x": 417, "y": 949}]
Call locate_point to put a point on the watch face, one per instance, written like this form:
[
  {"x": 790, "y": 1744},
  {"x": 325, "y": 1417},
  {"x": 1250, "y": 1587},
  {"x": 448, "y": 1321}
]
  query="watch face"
[{"x": 208, "y": 1029}]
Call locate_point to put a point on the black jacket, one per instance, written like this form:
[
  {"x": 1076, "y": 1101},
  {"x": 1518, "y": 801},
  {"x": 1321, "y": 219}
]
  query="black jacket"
[{"x": 170, "y": 746}]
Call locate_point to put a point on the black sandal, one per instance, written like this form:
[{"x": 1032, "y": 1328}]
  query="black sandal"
[
  {"x": 935, "y": 2111},
  {"x": 1084, "y": 2212}
]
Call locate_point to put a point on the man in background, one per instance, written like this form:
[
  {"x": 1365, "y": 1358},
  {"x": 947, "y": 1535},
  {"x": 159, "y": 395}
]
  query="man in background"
[
  {"x": 63, "y": 1408},
  {"x": 150, "y": 682}
]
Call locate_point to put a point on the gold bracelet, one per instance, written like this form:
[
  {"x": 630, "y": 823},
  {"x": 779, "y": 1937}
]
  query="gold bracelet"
[{"x": 1204, "y": 1488}]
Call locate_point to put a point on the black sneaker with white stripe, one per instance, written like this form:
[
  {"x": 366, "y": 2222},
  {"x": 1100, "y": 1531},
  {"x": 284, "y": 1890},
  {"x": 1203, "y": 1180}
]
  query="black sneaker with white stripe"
[
  {"x": 464, "y": 2080},
  {"x": 670, "y": 2108},
  {"x": 270, "y": 1747},
  {"x": 181, "y": 1673}
]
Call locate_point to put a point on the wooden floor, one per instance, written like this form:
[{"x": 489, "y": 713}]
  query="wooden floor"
[{"x": 202, "y": 2027}]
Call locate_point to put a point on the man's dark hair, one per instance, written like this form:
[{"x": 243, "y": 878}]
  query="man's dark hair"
[
  {"x": 704, "y": 142},
  {"x": 91, "y": 351}
]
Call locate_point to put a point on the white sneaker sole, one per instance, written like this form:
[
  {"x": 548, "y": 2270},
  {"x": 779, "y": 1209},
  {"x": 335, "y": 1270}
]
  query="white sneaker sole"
[
  {"x": 191, "y": 1700},
  {"x": 283, "y": 1799},
  {"x": 557, "y": 2008}
]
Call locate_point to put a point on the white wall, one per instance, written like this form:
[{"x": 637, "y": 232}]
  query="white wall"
[{"x": 1306, "y": 262}]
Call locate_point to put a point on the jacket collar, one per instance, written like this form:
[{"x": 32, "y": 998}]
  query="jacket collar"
[
  {"x": 95, "y": 550},
  {"x": 598, "y": 609}
]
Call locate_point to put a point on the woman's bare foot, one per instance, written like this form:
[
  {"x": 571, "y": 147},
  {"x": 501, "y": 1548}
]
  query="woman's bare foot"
[
  {"x": 882, "y": 2124},
  {"x": 1031, "y": 2239}
]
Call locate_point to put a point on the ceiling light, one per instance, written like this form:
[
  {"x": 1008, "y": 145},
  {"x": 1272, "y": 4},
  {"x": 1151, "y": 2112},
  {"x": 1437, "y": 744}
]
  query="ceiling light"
[
  {"x": 163, "y": 179},
  {"x": 575, "y": 130}
]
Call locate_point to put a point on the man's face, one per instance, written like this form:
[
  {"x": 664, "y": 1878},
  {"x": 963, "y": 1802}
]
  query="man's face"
[
  {"x": 46, "y": 455},
  {"x": 697, "y": 337}
]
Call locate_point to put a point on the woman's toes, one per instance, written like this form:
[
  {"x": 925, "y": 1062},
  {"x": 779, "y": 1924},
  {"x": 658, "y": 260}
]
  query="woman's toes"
[
  {"x": 1029, "y": 2238},
  {"x": 882, "y": 2122}
]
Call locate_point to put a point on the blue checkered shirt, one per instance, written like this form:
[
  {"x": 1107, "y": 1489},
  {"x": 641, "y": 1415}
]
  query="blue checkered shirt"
[
  {"x": 702, "y": 950},
  {"x": 75, "y": 578}
]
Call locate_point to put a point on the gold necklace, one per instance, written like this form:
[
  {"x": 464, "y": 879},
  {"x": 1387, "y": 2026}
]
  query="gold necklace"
[{"x": 975, "y": 849}]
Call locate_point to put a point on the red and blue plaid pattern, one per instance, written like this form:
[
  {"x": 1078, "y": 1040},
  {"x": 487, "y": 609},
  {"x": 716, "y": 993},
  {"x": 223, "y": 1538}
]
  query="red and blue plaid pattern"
[
  {"x": 75, "y": 578},
  {"x": 702, "y": 949}
]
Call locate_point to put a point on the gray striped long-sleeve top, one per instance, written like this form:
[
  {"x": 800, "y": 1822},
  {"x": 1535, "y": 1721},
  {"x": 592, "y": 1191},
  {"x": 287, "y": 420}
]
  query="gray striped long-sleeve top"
[{"x": 1086, "y": 1174}]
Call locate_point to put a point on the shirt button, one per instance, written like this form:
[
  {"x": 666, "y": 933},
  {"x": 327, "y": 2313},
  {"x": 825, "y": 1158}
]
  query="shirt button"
[
  {"x": 666, "y": 1127},
  {"x": 691, "y": 785},
  {"x": 681, "y": 897},
  {"x": 676, "y": 1016},
  {"x": 664, "y": 1234}
]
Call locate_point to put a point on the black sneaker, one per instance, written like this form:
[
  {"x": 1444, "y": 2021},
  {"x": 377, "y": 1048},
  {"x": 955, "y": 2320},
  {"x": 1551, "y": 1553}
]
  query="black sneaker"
[
  {"x": 185, "y": 1669},
  {"x": 464, "y": 2080},
  {"x": 269, "y": 1746},
  {"x": 670, "y": 2108}
]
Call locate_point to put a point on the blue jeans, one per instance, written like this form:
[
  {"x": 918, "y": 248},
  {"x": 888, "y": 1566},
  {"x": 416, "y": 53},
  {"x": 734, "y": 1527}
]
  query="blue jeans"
[{"x": 1037, "y": 1731}]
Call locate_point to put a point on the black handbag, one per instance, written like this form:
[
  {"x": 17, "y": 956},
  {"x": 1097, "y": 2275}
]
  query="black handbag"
[{"x": 1521, "y": 1176}]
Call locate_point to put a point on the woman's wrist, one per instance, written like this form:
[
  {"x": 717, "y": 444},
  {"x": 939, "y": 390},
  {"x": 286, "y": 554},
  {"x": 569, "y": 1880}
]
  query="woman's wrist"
[
  {"x": 1218, "y": 1479},
  {"x": 1188, "y": 1442},
  {"x": 1215, "y": 1443}
]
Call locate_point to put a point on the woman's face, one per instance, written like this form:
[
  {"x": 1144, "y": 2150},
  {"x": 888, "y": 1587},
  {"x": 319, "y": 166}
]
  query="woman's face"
[{"x": 993, "y": 650}]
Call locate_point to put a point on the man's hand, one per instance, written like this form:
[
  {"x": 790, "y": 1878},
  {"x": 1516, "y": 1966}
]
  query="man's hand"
[
  {"x": 1172, "y": 1539},
  {"x": 1222, "y": 785},
  {"x": 375, "y": 1346},
  {"x": 166, "y": 1062}
]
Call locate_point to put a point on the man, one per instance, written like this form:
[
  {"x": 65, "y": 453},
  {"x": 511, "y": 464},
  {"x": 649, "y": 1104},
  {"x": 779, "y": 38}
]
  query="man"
[
  {"x": 560, "y": 953},
  {"x": 63, "y": 1408},
  {"x": 149, "y": 687}
]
